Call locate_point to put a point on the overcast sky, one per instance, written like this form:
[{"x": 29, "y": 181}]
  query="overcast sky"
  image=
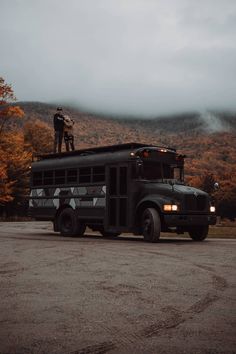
[{"x": 141, "y": 57}]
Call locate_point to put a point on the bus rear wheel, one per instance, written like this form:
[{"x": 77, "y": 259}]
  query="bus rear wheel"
[
  {"x": 151, "y": 225},
  {"x": 198, "y": 233},
  {"x": 69, "y": 224}
]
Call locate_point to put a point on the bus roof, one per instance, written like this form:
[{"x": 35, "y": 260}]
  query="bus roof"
[{"x": 101, "y": 149}]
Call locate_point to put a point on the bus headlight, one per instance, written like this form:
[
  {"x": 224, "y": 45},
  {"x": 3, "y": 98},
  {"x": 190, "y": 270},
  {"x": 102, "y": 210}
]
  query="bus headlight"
[
  {"x": 170, "y": 207},
  {"x": 212, "y": 209}
]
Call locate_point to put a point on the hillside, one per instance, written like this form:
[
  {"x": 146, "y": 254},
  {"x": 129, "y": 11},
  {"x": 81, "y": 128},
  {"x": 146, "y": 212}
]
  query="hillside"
[
  {"x": 209, "y": 141},
  {"x": 209, "y": 122}
]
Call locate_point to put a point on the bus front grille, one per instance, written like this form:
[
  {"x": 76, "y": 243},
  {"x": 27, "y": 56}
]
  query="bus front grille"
[{"x": 195, "y": 202}]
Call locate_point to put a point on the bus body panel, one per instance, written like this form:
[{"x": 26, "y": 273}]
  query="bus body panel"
[{"x": 109, "y": 188}]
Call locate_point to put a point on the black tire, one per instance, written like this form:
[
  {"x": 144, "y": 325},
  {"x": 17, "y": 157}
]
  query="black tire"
[
  {"x": 198, "y": 233},
  {"x": 151, "y": 225},
  {"x": 69, "y": 224}
]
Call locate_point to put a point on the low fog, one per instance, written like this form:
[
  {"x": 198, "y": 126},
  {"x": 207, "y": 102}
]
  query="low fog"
[{"x": 127, "y": 57}]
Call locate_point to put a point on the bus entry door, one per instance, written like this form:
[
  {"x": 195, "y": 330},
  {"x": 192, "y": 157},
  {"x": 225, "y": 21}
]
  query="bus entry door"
[{"x": 117, "y": 198}]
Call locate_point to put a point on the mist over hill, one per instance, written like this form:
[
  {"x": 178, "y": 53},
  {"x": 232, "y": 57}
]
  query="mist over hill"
[
  {"x": 208, "y": 139},
  {"x": 194, "y": 122}
]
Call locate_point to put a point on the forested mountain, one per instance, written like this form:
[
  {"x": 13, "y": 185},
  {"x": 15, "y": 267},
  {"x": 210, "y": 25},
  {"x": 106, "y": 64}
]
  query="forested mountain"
[
  {"x": 208, "y": 122},
  {"x": 208, "y": 140}
]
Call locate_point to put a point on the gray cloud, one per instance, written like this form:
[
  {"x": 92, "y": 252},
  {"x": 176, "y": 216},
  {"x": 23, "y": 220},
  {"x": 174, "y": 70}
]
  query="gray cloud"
[{"x": 140, "y": 57}]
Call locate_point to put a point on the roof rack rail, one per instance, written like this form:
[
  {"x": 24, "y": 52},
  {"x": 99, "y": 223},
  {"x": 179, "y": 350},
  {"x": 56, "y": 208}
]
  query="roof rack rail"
[{"x": 97, "y": 149}]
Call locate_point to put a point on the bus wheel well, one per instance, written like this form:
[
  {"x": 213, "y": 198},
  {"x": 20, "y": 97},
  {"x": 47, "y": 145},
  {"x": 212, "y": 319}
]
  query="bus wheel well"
[
  {"x": 56, "y": 217},
  {"x": 140, "y": 210}
]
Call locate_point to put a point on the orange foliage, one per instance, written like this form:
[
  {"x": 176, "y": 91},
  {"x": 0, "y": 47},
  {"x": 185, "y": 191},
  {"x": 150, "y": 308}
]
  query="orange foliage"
[
  {"x": 6, "y": 92},
  {"x": 6, "y": 111},
  {"x": 13, "y": 156},
  {"x": 14, "y": 167},
  {"x": 5, "y": 185},
  {"x": 38, "y": 135}
]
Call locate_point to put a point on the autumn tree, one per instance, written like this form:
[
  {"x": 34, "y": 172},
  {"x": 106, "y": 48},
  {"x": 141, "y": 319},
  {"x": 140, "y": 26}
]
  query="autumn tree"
[
  {"x": 205, "y": 182},
  {"x": 5, "y": 184},
  {"x": 39, "y": 137},
  {"x": 14, "y": 160},
  {"x": 16, "y": 179},
  {"x": 225, "y": 197},
  {"x": 7, "y": 112}
]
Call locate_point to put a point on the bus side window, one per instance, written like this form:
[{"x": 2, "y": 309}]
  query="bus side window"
[
  {"x": 37, "y": 178},
  {"x": 60, "y": 177},
  {"x": 48, "y": 178},
  {"x": 85, "y": 175},
  {"x": 113, "y": 181},
  {"x": 71, "y": 175},
  {"x": 123, "y": 180},
  {"x": 99, "y": 174}
]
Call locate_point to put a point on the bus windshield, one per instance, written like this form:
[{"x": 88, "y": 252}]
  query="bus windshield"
[{"x": 162, "y": 171}]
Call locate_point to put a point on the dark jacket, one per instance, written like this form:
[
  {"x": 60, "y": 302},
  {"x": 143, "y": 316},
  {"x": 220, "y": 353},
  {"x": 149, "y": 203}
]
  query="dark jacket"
[{"x": 58, "y": 122}]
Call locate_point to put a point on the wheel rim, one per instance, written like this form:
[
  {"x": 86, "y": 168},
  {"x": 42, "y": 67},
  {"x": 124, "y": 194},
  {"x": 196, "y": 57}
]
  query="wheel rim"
[{"x": 147, "y": 226}]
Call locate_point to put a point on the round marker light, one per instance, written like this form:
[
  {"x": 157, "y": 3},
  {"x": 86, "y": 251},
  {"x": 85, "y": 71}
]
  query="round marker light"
[
  {"x": 146, "y": 153},
  {"x": 212, "y": 209}
]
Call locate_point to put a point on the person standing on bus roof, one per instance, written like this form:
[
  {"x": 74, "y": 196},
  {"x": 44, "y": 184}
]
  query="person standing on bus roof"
[
  {"x": 58, "y": 121},
  {"x": 68, "y": 133}
]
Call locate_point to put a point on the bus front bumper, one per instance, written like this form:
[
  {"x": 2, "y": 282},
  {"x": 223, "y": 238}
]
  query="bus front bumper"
[{"x": 188, "y": 220}]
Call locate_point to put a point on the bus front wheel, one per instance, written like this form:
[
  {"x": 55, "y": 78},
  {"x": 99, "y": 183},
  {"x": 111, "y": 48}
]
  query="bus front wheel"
[
  {"x": 151, "y": 225},
  {"x": 69, "y": 224},
  {"x": 198, "y": 233}
]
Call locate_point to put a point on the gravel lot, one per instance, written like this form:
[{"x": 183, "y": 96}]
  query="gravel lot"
[{"x": 93, "y": 295}]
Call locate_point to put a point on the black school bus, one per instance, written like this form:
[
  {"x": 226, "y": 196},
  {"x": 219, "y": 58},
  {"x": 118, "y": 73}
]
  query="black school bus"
[{"x": 135, "y": 188}]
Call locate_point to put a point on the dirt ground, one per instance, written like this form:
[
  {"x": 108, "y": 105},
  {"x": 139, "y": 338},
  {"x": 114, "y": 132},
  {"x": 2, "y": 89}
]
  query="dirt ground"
[{"x": 93, "y": 295}]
